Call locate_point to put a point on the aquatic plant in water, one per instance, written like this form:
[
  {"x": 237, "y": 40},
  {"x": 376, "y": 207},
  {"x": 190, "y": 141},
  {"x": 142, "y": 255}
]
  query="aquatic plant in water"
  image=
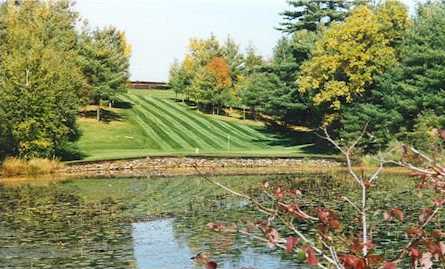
[{"x": 359, "y": 236}]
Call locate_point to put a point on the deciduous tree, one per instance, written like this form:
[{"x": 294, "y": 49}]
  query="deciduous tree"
[
  {"x": 350, "y": 54},
  {"x": 41, "y": 84},
  {"x": 106, "y": 55}
]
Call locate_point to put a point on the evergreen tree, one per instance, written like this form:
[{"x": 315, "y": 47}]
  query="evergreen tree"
[
  {"x": 284, "y": 102},
  {"x": 231, "y": 52},
  {"x": 251, "y": 61},
  {"x": 310, "y": 15}
]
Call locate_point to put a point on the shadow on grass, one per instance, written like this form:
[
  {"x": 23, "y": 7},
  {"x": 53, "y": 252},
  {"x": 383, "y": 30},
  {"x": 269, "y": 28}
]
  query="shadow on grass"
[
  {"x": 106, "y": 115},
  {"x": 285, "y": 137},
  {"x": 70, "y": 152},
  {"x": 123, "y": 104}
]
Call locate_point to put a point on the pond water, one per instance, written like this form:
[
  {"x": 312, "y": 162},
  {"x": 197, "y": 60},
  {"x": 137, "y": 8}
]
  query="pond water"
[
  {"x": 157, "y": 246},
  {"x": 159, "y": 223},
  {"x": 99, "y": 223}
]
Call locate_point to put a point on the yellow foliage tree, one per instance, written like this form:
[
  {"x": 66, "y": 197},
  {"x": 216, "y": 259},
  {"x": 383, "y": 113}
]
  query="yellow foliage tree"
[{"x": 348, "y": 55}]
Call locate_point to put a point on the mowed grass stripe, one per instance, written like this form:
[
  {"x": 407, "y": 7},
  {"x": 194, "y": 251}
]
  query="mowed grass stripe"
[
  {"x": 157, "y": 127},
  {"x": 217, "y": 127},
  {"x": 209, "y": 126},
  {"x": 150, "y": 134},
  {"x": 191, "y": 125},
  {"x": 163, "y": 124},
  {"x": 192, "y": 129},
  {"x": 148, "y": 138},
  {"x": 172, "y": 122},
  {"x": 247, "y": 130}
]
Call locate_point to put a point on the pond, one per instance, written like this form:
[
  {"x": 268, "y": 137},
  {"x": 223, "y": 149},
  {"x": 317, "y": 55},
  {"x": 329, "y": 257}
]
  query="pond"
[
  {"x": 160, "y": 223},
  {"x": 122, "y": 223},
  {"x": 156, "y": 245}
]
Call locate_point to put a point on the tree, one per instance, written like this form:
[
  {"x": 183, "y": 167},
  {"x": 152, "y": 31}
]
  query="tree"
[
  {"x": 312, "y": 15},
  {"x": 411, "y": 93},
  {"x": 252, "y": 91},
  {"x": 231, "y": 53},
  {"x": 41, "y": 84},
  {"x": 106, "y": 54},
  {"x": 251, "y": 61},
  {"x": 283, "y": 101},
  {"x": 179, "y": 79},
  {"x": 209, "y": 72},
  {"x": 350, "y": 54},
  {"x": 212, "y": 84}
]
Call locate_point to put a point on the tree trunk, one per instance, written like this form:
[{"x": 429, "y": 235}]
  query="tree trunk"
[
  {"x": 98, "y": 112},
  {"x": 244, "y": 113},
  {"x": 253, "y": 112}
]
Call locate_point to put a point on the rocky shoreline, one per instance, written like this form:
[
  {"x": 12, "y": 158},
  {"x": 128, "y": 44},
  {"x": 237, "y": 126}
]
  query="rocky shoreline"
[{"x": 170, "y": 166}]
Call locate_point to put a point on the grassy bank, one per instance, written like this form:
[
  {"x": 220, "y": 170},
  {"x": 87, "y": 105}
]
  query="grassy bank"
[
  {"x": 17, "y": 167},
  {"x": 153, "y": 123}
]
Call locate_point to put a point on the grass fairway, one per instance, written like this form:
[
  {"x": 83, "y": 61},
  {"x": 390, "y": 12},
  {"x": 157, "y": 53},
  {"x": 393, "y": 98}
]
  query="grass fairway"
[{"x": 153, "y": 123}]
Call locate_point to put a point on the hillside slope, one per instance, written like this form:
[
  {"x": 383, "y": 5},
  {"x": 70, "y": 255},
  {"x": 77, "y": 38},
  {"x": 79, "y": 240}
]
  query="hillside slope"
[{"x": 152, "y": 123}]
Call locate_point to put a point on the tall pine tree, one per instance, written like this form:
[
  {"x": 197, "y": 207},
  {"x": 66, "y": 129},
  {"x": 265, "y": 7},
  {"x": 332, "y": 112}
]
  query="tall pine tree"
[{"x": 310, "y": 15}]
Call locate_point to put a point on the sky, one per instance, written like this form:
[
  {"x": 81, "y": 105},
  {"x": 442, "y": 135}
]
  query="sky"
[{"x": 159, "y": 30}]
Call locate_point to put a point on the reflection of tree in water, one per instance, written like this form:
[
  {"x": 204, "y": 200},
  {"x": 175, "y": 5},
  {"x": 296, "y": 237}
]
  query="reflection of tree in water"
[
  {"x": 47, "y": 227},
  {"x": 191, "y": 228}
]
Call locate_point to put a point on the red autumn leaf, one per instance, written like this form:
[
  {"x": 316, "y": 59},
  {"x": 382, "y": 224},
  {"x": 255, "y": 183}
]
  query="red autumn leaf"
[
  {"x": 328, "y": 218},
  {"x": 352, "y": 262},
  {"x": 425, "y": 214},
  {"x": 434, "y": 248},
  {"x": 271, "y": 235},
  {"x": 394, "y": 213},
  {"x": 211, "y": 265},
  {"x": 311, "y": 257},
  {"x": 437, "y": 234},
  {"x": 375, "y": 260},
  {"x": 389, "y": 265},
  {"x": 279, "y": 193},
  {"x": 357, "y": 246},
  {"x": 295, "y": 193},
  {"x": 217, "y": 227},
  {"x": 291, "y": 243},
  {"x": 414, "y": 252},
  {"x": 414, "y": 232},
  {"x": 439, "y": 202},
  {"x": 415, "y": 255},
  {"x": 426, "y": 261},
  {"x": 398, "y": 214},
  {"x": 368, "y": 184},
  {"x": 295, "y": 210}
]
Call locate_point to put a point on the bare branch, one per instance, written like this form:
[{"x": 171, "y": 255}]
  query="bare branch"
[{"x": 352, "y": 203}]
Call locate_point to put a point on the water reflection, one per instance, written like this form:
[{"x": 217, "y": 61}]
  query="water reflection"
[
  {"x": 157, "y": 245},
  {"x": 83, "y": 225}
]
